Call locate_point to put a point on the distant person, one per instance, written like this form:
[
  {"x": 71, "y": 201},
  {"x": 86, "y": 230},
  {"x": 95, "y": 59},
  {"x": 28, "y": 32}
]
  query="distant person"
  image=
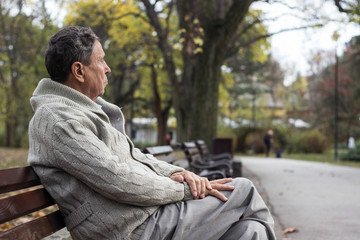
[
  {"x": 268, "y": 142},
  {"x": 168, "y": 139},
  {"x": 351, "y": 142}
]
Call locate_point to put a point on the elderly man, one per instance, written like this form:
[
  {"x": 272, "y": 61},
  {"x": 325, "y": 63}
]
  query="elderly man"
[{"x": 104, "y": 186}]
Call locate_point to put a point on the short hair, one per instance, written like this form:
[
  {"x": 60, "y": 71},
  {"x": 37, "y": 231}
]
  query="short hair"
[{"x": 69, "y": 45}]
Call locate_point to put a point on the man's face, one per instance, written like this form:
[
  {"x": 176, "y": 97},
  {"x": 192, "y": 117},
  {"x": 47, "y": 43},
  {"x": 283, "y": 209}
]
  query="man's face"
[{"x": 95, "y": 73}]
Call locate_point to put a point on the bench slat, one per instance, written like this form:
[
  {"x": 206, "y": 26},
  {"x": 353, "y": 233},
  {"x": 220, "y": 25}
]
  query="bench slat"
[
  {"x": 36, "y": 229},
  {"x": 17, "y": 178},
  {"x": 24, "y": 203},
  {"x": 159, "y": 150},
  {"x": 202, "y": 147}
]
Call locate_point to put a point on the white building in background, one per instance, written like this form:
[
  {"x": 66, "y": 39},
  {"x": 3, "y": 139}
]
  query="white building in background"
[{"x": 144, "y": 130}]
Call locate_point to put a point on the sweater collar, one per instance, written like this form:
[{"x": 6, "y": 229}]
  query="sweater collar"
[{"x": 48, "y": 89}]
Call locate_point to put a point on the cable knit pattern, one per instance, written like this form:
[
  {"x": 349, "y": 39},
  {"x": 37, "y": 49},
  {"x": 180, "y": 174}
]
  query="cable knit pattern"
[{"x": 105, "y": 187}]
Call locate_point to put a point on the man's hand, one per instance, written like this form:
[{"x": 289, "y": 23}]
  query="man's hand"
[
  {"x": 219, "y": 185},
  {"x": 201, "y": 187},
  {"x": 198, "y": 185}
]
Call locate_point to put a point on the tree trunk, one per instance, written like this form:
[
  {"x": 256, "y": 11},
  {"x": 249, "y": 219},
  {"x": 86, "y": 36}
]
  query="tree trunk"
[
  {"x": 215, "y": 23},
  {"x": 162, "y": 115},
  {"x": 196, "y": 94}
]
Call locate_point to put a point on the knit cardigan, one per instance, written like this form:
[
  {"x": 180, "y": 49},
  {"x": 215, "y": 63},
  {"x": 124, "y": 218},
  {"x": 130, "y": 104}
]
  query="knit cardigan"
[{"x": 105, "y": 188}]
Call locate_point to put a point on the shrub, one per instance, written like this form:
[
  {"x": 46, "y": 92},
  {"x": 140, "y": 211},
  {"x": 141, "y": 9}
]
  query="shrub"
[
  {"x": 313, "y": 141},
  {"x": 294, "y": 142},
  {"x": 259, "y": 142}
]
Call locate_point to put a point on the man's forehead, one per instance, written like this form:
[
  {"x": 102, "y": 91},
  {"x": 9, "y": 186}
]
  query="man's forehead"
[{"x": 98, "y": 50}]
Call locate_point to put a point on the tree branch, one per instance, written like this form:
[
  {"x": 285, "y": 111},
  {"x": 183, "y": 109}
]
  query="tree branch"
[
  {"x": 131, "y": 14},
  {"x": 341, "y": 9}
]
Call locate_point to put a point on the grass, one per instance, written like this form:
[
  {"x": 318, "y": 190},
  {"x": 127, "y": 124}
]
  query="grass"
[
  {"x": 327, "y": 157},
  {"x": 13, "y": 157}
]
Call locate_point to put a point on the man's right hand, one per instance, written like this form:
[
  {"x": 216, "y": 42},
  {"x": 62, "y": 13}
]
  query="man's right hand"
[
  {"x": 201, "y": 187},
  {"x": 219, "y": 185}
]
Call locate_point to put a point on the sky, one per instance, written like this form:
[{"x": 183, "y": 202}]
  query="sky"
[{"x": 293, "y": 49}]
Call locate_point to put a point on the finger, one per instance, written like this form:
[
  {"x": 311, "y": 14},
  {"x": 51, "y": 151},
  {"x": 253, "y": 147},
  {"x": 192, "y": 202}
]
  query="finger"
[
  {"x": 222, "y": 187},
  {"x": 222, "y": 180},
  {"x": 208, "y": 185},
  {"x": 192, "y": 184},
  {"x": 218, "y": 195},
  {"x": 177, "y": 178},
  {"x": 198, "y": 186},
  {"x": 203, "y": 187}
]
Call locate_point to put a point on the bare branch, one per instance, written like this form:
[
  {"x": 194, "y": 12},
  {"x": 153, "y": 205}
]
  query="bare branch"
[
  {"x": 274, "y": 33},
  {"x": 131, "y": 14},
  {"x": 341, "y": 9}
]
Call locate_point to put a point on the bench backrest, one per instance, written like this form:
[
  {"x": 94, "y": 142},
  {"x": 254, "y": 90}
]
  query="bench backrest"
[
  {"x": 203, "y": 149},
  {"x": 192, "y": 152},
  {"x": 26, "y": 202},
  {"x": 162, "y": 153}
]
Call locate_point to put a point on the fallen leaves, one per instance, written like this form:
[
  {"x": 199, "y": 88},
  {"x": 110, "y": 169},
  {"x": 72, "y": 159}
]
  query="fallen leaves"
[{"x": 289, "y": 230}]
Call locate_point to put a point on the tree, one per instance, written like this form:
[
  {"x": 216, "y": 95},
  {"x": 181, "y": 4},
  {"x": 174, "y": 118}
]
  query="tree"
[
  {"x": 321, "y": 86},
  {"x": 349, "y": 7},
  {"x": 22, "y": 38},
  {"x": 207, "y": 28}
]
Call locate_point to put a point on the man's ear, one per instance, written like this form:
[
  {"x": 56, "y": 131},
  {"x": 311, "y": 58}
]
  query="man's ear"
[{"x": 77, "y": 69}]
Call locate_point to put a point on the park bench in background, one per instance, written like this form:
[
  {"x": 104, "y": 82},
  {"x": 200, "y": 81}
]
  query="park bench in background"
[
  {"x": 236, "y": 164},
  {"x": 204, "y": 152},
  {"x": 26, "y": 202},
  {"x": 166, "y": 153},
  {"x": 197, "y": 163}
]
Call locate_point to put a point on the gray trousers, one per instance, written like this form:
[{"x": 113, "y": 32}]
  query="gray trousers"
[{"x": 244, "y": 216}]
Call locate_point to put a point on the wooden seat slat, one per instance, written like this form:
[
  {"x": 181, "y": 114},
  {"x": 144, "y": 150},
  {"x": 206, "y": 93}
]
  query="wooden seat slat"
[
  {"x": 17, "y": 178},
  {"x": 24, "y": 203},
  {"x": 159, "y": 150},
  {"x": 36, "y": 229}
]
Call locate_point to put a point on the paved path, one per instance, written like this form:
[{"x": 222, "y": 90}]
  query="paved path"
[{"x": 321, "y": 201}]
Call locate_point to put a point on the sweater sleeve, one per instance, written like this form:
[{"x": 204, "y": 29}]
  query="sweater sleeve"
[
  {"x": 162, "y": 167},
  {"x": 79, "y": 152}
]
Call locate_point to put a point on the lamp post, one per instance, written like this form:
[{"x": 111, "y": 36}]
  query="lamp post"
[
  {"x": 336, "y": 97},
  {"x": 336, "y": 108},
  {"x": 253, "y": 85}
]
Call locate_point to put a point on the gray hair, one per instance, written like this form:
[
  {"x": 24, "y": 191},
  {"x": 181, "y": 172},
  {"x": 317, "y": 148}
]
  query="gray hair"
[{"x": 69, "y": 45}]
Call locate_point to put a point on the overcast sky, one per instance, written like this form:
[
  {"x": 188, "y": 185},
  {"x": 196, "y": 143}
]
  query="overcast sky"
[{"x": 293, "y": 49}]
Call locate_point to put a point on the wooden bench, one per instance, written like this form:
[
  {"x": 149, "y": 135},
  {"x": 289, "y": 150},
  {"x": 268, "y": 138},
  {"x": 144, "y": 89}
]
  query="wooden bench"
[
  {"x": 26, "y": 202},
  {"x": 197, "y": 163},
  {"x": 166, "y": 153},
  {"x": 204, "y": 152}
]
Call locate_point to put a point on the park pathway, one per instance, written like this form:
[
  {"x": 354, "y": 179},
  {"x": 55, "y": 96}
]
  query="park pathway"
[{"x": 322, "y": 201}]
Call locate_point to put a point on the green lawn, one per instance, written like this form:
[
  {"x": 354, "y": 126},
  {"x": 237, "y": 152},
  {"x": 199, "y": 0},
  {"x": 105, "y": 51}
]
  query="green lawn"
[
  {"x": 327, "y": 157},
  {"x": 13, "y": 157}
]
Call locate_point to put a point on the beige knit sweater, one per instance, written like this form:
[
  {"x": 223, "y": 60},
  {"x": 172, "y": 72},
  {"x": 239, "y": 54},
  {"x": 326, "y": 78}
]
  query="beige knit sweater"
[{"x": 104, "y": 186}]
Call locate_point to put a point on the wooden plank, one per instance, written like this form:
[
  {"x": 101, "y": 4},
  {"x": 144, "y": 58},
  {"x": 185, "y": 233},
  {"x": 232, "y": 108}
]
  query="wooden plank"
[
  {"x": 202, "y": 147},
  {"x": 36, "y": 229},
  {"x": 189, "y": 144},
  {"x": 17, "y": 178},
  {"x": 24, "y": 203},
  {"x": 159, "y": 150}
]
